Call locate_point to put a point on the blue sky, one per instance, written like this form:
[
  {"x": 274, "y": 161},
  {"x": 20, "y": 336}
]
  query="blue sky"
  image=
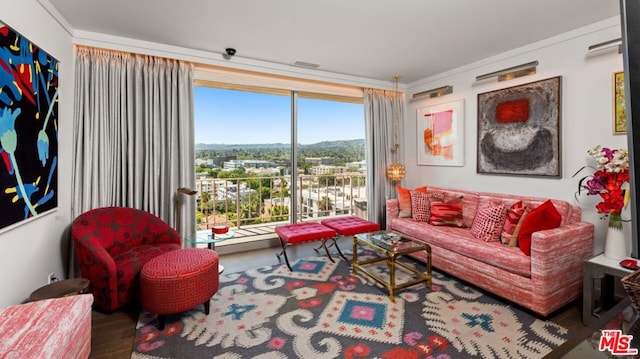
[{"x": 239, "y": 117}]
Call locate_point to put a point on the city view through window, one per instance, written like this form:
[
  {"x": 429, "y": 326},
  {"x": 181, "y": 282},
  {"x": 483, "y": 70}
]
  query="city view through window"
[{"x": 244, "y": 172}]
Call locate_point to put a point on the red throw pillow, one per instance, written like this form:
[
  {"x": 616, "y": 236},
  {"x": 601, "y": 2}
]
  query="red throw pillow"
[
  {"x": 447, "y": 213},
  {"x": 513, "y": 224},
  {"x": 545, "y": 216},
  {"x": 488, "y": 222},
  {"x": 404, "y": 200}
]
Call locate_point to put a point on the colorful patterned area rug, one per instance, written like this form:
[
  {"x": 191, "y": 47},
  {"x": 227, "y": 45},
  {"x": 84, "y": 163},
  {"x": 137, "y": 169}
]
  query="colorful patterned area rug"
[{"x": 320, "y": 310}]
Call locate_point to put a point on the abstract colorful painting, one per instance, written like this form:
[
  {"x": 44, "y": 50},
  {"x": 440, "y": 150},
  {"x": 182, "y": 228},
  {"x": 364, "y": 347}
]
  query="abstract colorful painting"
[
  {"x": 619, "y": 109},
  {"x": 28, "y": 129},
  {"x": 519, "y": 130},
  {"x": 441, "y": 134}
]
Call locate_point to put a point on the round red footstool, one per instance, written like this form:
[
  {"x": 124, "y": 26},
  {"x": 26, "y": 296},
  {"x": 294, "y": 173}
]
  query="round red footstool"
[{"x": 179, "y": 280}]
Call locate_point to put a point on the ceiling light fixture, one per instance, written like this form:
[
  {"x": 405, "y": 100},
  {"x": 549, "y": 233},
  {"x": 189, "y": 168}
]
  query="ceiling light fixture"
[
  {"x": 512, "y": 72},
  {"x": 395, "y": 169},
  {"x": 436, "y": 92}
]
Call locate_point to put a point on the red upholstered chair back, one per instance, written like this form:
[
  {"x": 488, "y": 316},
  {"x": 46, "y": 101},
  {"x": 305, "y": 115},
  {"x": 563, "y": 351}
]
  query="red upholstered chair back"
[{"x": 117, "y": 229}]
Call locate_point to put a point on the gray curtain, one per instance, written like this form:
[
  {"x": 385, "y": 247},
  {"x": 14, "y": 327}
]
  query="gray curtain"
[
  {"x": 133, "y": 133},
  {"x": 378, "y": 114}
]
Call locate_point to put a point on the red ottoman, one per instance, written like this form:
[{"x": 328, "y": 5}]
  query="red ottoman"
[
  {"x": 292, "y": 234},
  {"x": 179, "y": 280},
  {"x": 350, "y": 226}
]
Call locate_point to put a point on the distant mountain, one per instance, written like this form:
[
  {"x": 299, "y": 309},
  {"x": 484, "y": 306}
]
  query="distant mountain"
[{"x": 359, "y": 143}]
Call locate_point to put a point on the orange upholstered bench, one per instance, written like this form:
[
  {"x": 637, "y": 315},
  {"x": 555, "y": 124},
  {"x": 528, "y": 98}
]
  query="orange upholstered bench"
[
  {"x": 292, "y": 234},
  {"x": 179, "y": 280}
]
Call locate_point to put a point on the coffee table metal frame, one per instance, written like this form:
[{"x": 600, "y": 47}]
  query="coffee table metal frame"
[{"x": 390, "y": 254}]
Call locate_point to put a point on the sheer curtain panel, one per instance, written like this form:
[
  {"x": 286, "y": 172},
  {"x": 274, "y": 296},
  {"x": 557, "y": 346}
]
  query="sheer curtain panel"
[{"x": 378, "y": 112}]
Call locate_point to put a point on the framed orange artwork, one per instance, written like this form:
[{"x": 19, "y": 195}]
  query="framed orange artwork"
[
  {"x": 619, "y": 111},
  {"x": 440, "y": 136}
]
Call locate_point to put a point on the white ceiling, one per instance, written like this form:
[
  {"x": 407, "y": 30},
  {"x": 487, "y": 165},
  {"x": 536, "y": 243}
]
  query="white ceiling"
[{"x": 374, "y": 39}]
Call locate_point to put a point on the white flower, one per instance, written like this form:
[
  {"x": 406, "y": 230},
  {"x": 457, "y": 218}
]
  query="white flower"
[{"x": 610, "y": 160}]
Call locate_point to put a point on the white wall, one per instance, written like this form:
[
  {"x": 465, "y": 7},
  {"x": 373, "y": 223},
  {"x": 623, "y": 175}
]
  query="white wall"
[
  {"x": 586, "y": 115},
  {"x": 30, "y": 251}
]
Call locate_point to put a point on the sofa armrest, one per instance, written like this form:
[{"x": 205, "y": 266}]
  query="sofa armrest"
[
  {"x": 393, "y": 210},
  {"x": 559, "y": 253}
]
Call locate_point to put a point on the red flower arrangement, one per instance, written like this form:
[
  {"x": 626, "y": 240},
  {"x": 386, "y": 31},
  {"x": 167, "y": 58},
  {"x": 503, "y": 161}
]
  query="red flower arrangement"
[{"x": 610, "y": 176}]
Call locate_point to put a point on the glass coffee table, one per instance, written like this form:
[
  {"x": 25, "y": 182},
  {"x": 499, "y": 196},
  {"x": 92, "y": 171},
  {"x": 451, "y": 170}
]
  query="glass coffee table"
[
  {"x": 391, "y": 246},
  {"x": 205, "y": 237}
]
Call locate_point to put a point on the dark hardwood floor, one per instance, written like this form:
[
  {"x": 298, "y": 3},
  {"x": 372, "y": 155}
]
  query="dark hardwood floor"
[{"x": 113, "y": 334}]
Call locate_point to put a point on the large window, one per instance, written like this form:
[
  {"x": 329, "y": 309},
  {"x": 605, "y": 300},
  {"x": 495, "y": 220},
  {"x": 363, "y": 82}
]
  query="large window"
[{"x": 245, "y": 173}]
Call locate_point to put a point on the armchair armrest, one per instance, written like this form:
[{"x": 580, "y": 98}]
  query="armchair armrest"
[{"x": 97, "y": 265}]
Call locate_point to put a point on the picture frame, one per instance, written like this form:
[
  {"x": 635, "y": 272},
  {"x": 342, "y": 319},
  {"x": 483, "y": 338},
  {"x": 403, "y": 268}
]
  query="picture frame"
[
  {"x": 519, "y": 130},
  {"x": 440, "y": 134},
  {"x": 619, "y": 110},
  {"x": 28, "y": 130}
]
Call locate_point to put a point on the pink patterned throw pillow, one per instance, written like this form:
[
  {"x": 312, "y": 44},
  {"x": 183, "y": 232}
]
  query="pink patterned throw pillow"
[
  {"x": 513, "y": 223},
  {"x": 419, "y": 206},
  {"x": 488, "y": 222}
]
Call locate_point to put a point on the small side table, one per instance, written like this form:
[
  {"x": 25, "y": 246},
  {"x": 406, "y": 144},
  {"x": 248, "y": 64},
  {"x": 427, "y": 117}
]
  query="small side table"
[
  {"x": 605, "y": 270},
  {"x": 206, "y": 237},
  {"x": 61, "y": 288}
]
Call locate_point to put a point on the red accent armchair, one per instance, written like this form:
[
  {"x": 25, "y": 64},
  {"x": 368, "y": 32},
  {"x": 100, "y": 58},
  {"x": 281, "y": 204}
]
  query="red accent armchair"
[{"x": 112, "y": 244}]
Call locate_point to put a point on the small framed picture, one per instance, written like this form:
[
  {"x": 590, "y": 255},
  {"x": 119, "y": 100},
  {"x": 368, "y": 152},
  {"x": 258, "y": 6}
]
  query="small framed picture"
[
  {"x": 440, "y": 134},
  {"x": 619, "y": 110}
]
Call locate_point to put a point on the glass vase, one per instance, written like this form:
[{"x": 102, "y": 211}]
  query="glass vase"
[{"x": 615, "y": 246}]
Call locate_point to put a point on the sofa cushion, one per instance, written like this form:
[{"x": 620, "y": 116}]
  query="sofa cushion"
[
  {"x": 447, "y": 213},
  {"x": 420, "y": 206},
  {"x": 545, "y": 216},
  {"x": 513, "y": 223},
  {"x": 489, "y": 221},
  {"x": 461, "y": 241},
  {"x": 404, "y": 199}
]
